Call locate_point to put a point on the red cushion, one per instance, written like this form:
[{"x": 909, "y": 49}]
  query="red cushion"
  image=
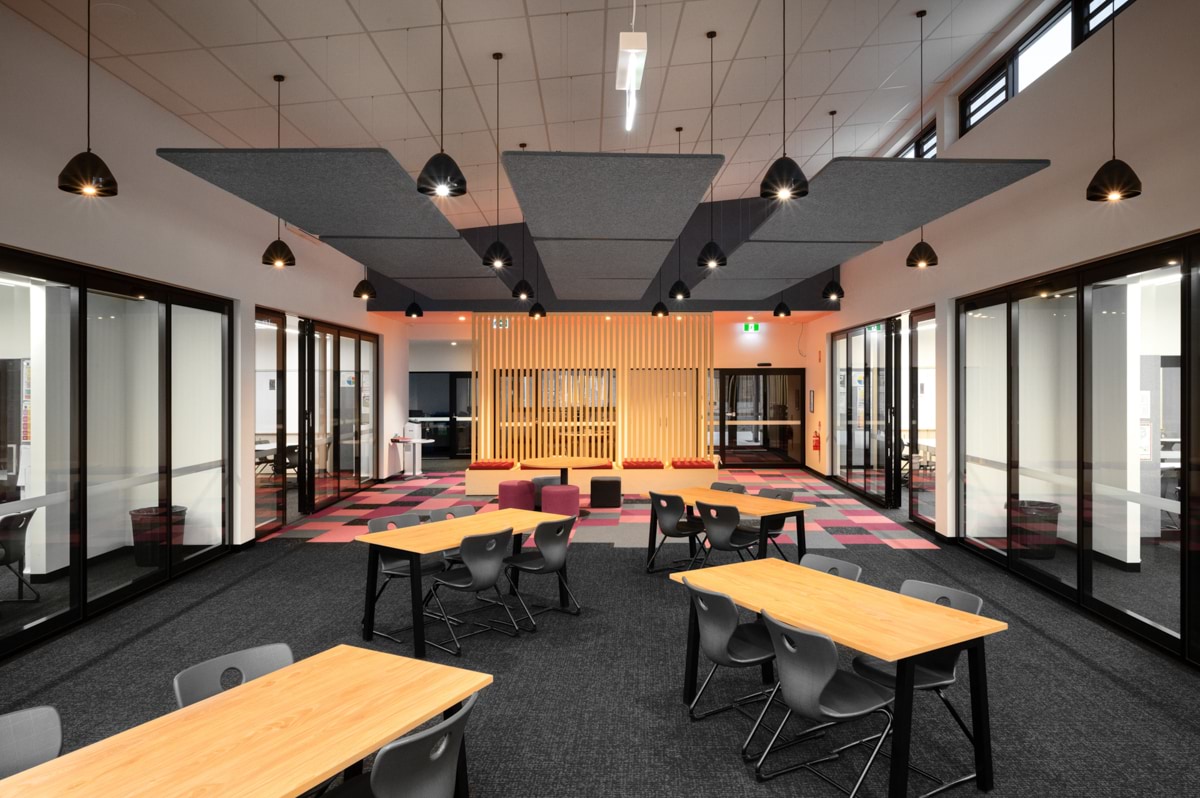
[
  {"x": 641, "y": 462},
  {"x": 691, "y": 462},
  {"x": 490, "y": 465}
]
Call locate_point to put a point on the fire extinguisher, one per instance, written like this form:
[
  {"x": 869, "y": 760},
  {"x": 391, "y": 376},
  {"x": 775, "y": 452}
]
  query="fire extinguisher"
[{"x": 816, "y": 441}]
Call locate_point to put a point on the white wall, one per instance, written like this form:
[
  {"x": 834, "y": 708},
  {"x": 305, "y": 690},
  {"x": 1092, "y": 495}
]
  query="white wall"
[
  {"x": 165, "y": 224},
  {"x": 1043, "y": 224},
  {"x": 440, "y": 355}
]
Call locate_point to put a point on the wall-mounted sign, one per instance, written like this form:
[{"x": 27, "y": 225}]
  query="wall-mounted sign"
[
  {"x": 499, "y": 324},
  {"x": 750, "y": 327}
]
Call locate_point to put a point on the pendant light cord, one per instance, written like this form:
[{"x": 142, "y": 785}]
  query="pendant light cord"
[
  {"x": 1114, "y": 85},
  {"x": 783, "y": 62},
  {"x": 278, "y": 129},
  {"x": 89, "y": 75},
  {"x": 441, "y": 76},
  {"x": 921, "y": 90},
  {"x": 498, "y": 166},
  {"x": 679, "y": 243},
  {"x": 712, "y": 124}
]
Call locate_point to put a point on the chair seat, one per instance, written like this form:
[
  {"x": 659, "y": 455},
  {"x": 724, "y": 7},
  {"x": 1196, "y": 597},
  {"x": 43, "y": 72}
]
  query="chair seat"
[
  {"x": 743, "y": 540},
  {"x": 398, "y": 566},
  {"x": 884, "y": 673},
  {"x": 528, "y": 561},
  {"x": 456, "y": 578},
  {"x": 849, "y": 695},
  {"x": 684, "y": 529},
  {"x": 750, "y": 644}
]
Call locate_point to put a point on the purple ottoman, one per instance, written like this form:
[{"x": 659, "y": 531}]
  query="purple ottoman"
[
  {"x": 561, "y": 499},
  {"x": 516, "y": 494}
]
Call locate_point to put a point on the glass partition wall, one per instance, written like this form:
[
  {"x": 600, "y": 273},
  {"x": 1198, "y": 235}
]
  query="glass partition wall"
[
  {"x": 115, "y": 439},
  {"x": 919, "y": 452},
  {"x": 1073, "y": 464}
]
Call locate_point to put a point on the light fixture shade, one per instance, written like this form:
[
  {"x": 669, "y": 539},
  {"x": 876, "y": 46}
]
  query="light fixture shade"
[
  {"x": 782, "y": 309},
  {"x": 711, "y": 257},
  {"x": 537, "y": 311},
  {"x": 441, "y": 177},
  {"x": 680, "y": 290},
  {"x": 660, "y": 309},
  {"x": 87, "y": 175},
  {"x": 784, "y": 180},
  {"x": 278, "y": 254},
  {"x": 1114, "y": 181},
  {"x": 414, "y": 311},
  {"x": 497, "y": 256},
  {"x": 921, "y": 256},
  {"x": 833, "y": 291},
  {"x": 364, "y": 290},
  {"x": 522, "y": 290}
]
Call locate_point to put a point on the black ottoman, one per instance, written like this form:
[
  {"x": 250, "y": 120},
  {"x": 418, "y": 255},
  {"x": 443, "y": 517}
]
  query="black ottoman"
[
  {"x": 538, "y": 484},
  {"x": 606, "y": 492}
]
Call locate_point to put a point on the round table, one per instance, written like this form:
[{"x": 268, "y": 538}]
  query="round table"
[{"x": 564, "y": 464}]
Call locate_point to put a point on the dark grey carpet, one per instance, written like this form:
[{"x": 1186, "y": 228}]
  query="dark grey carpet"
[{"x": 591, "y": 705}]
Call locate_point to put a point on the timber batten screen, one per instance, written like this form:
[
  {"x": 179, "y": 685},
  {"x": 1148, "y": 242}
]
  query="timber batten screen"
[{"x": 614, "y": 385}]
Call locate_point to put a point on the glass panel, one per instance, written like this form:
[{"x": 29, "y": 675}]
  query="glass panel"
[
  {"x": 325, "y": 478},
  {"x": 36, "y": 480},
  {"x": 841, "y": 371},
  {"x": 908, "y": 152},
  {"x": 987, "y": 100},
  {"x": 984, "y": 424},
  {"x": 1044, "y": 52},
  {"x": 923, "y": 451},
  {"x": 127, "y": 521},
  {"x": 347, "y": 410},
  {"x": 462, "y": 415},
  {"x": 875, "y": 424},
  {"x": 197, "y": 431},
  {"x": 1135, "y": 430},
  {"x": 429, "y": 406},
  {"x": 366, "y": 410},
  {"x": 291, "y": 410},
  {"x": 1045, "y": 520},
  {"x": 785, "y": 416},
  {"x": 858, "y": 407},
  {"x": 268, "y": 459}
]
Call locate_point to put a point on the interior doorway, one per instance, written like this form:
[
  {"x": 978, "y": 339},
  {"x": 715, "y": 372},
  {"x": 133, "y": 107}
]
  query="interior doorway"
[{"x": 761, "y": 414}]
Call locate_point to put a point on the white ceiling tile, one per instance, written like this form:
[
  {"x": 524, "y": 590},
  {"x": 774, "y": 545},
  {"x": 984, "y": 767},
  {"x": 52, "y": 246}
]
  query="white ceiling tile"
[
  {"x": 130, "y": 26},
  {"x": 871, "y": 67},
  {"x": 568, "y": 44},
  {"x": 477, "y": 41},
  {"x": 129, "y": 72},
  {"x": 901, "y": 23},
  {"x": 687, "y": 86},
  {"x": 379, "y": 15},
  {"x": 202, "y": 80},
  {"x": 462, "y": 110},
  {"x": 328, "y": 124},
  {"x": 388, "y": 117},
  {"x": 214, "y": 131},
  {"x": 218, "y": 23},
  {"x": 59, "y": 25},
  {"x": 413, "y": 56},
  {"x": 812, "y": 73},
  {"x": 728, "y": 20},
  {"x": 845, "y": 23},
  {"x": 567, "y": 99},
  {"x": 473, "y": 10},
  {"x": 562, "y": 6},
  {"x": 257, "y": 127},
  {"x": 300, "y": 19},
  {"x": 749, "y": 80},
  {"x": 257, "y": 64},
  {"x": 763, "y": 36},
  {"x": 533, "y": 135},
  {"x": 520, "y": 104},
  {"x": 581, "y": 136},
  {"x": 693, "y": 121},
  {"x": 350, "y": 65},
  {"x": 976, "y": 17},
  {"x": 412, "y": 153}
]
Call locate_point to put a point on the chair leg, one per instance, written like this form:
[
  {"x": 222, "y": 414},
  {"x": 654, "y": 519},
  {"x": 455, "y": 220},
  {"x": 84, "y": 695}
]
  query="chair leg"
[
  {"x": 457, "y": 650},
  {"x": 562, "y": 580},
  {"x": 513, "y": 621},
  {"x": 735, "y": 704},
  {"x": 22, "y": 583},
  {"x": 757, "y": 723},
  {"x": 871, "y": 759},
  {"x": 528, "y": 614},
  {"x": 941, "y": 693},
  {"x": 774, "y": 542}
]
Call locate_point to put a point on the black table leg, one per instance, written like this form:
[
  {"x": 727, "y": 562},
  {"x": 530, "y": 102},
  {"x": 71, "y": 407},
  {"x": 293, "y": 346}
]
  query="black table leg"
[
  {"x": 765, "y": 523},
  {"x": 901, "y": 729},
  {"x": 514, "y": 574},
  {"x": 563, "y": 596},
  {"x": 801, "y": 544},
  {"x": 462, "y": 788},
  {"x": 981, "y": 726},
  {"x": 692, "y": 660},
  {"x": 653, "y": 533},
  {"x": 418, "y": 605},
  {"x": 353, "y": 771},
  {"x": 368, "y": 628}
]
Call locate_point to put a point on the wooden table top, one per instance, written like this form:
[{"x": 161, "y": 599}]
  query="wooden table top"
[
  {"x": 747, "y": 504},
  {"x": 275, "y": 736},
  {"x": 872, "y": 620},
  {"x": 443, "y": 535},
  {"x": 562, "y": 461}
]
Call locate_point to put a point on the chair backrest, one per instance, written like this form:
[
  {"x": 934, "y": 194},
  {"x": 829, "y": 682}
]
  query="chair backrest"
[
  {"x": 13, "y": 530},
  {"x": 387, "y": 522},
  {"x": 28, "y": 738},
  {"x": 806, "y": 662},
  {"x": 483, "y": 555},
  {"x": 783, "y": 494},
  {"x": 719, "y": 521},
  {"x": 728, "y": 487},
  {"x": 717, "y": 618},
  {"x": 832, "y": 565},
  {"x": 444, "y": 513},
  {"x": 669, "y": 508},
  {"x": 425, "y": 764},
  {"x": 945, "y": 661},
  {"x": 205, "y": 679},
  {"x": 552, "y": 539}
]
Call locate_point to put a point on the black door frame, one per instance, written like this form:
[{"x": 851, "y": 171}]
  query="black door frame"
[
  {"x": 722, "y": 407},
  {"x": 452, "y": 378},
  {"x": 914, "y": 403}
]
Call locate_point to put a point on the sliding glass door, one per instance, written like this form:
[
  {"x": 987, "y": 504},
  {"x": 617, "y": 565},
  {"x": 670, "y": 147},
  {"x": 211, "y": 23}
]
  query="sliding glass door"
[
  {"x": 919, "y": 451},
  {"x": 762, "y": 417},
  {"x": 866, "y": 365}
]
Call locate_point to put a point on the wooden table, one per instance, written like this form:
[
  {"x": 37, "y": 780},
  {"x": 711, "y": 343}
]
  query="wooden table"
[
  {"x": 273, "y": 737},
  {"x": 768, "y": 510},
  {"x": 874, "y": 621},
  {"x": 564, "y": 465},
  {"x": 431, "y": 539}
]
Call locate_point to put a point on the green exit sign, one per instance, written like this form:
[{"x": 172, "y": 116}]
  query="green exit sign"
[{"x": 749, "y": 327}]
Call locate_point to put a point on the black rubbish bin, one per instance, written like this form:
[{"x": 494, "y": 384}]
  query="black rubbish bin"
[
  {"x": 1035, "y": 529},
  {"x": 151, "y": 525}
]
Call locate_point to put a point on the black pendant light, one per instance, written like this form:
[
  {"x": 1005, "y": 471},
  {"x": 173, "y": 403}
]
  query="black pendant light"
[
  {"x": 711, "y": 255},
  {"x": 537, "y": 311},
  {"x": 441, "y": 176},
  {"x": 1115, "y": 180},
  {"x": 278, "y": 254},
  {"x": 922, "y": 255},
  {"x": 782, "y": 308},
  {"x": 364, "y": 290},
  {"x": 833, "y": 289},
  {"x": 785, "y": 179},
  {"x": 660, "y": 308},
  {"x": 87, "y": 174},
  {"x": 523, "y": 290},
  {"x": 413, "y": 311},
  {"x": 679, "y": 289},
  {"x": 497, "y": 255}
]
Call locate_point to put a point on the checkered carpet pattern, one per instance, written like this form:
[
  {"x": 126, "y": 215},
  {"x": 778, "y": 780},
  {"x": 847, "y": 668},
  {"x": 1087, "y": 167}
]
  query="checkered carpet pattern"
[{"x": 838, "y": 520}]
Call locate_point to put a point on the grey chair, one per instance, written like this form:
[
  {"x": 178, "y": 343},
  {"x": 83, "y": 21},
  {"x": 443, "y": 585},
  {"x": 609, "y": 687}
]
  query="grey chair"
[
  {"x": 541, "y": 482},
  {"x": 933, "y": 672},
  {"x": 421, "y": 765},
  {"x": 483, "y": 564},
  {"x": 29, "y": 737},
  {"x": 728, "y": 642},
  {"x": 721, "y": 531},
  {"x": 670, "y": 511},
  {"x": 14, "y": 529},
  {"x": 445, "y": 514},
  {"x": 775, "y": 528},
  {"x": 728, "y": 487},
  {"x": 832, "y": 565},
  {"x": 394, "y": 565},
  {"x": 551, "y": 539},
  {"x": 203, "y": 680},
  {"x": 813, "y": 687}
]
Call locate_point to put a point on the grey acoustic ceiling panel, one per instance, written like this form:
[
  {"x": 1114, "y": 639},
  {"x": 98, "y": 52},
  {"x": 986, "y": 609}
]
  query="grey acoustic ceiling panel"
[
  {"x": 328, "y": 192},
  {"x": 617, "y": 288},
  {"x": 794, "y": 260},
  {"x": 609, "y": 194},
  {"x": 572, "y": 258},
  {"x": 402, "y": 258},
  {"x": 878, "y": 199},
  {"x": 724, "y": 286},
  {"x": 459, "y": 288}
]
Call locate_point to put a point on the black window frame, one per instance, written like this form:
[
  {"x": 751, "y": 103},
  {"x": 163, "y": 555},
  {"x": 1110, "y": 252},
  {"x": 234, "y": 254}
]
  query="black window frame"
[
  {"x": 1081, "y": 17},
  {"x": 920, "y": 142}
]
